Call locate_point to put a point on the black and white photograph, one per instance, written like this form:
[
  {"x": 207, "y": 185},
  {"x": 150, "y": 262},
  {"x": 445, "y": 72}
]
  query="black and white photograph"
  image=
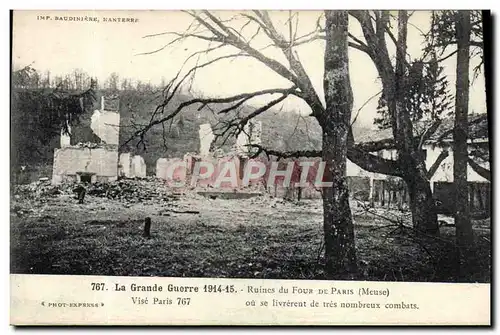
[{"x": 346, "y": 145}]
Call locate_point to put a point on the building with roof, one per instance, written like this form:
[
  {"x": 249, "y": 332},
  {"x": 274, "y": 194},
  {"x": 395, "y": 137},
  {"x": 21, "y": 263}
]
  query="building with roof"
[{"x": 438, "y": 153}]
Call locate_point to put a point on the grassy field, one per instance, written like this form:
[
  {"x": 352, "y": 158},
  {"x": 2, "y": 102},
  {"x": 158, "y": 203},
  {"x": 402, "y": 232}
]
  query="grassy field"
[{"x": 253, "y": 238}]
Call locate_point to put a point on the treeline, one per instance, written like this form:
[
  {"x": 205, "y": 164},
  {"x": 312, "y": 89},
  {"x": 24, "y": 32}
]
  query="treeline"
[{"x": 78, "y": 80}]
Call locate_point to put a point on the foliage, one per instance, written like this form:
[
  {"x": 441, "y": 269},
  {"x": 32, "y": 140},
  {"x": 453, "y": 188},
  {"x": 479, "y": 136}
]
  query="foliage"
[
  {"x": 25, "y": 77},
  {"x": 426, "y": 93},
  {"x": 426, "y": 89},
  {"x": 39, "y": 115},
  {"x": 443, "y": 31},
  {"x": 442, "y": 35}
]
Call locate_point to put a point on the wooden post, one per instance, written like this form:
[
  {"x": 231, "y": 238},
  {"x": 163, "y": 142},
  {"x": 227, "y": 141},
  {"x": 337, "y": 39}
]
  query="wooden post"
[
  {"x": 479, "y": 195},
  {"x": 370, "y": 195},
  {"x": 299, "y": 189},
  {"x": 472, "y": 193},
  {"x": 147, "y": 227},
  {"x": 382, "y": 191}
]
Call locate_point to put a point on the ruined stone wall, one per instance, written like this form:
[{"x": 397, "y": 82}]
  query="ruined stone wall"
[
  {"x": 206, "y": 139},
  {"x": 131, "y": 166},
  {"x": 138, "y": 167},
  {"x": 95, "y": 153},
  {"x": 177, "y": 174},
  {"x": 65, "y": 139},
  {"x": 125, "y": 165},
  {"x": 69, "y": 161},
  {"x": 106, "y": 126},
  {"x": 251, "y": 134},
  {"x": 162, "y": 165}
]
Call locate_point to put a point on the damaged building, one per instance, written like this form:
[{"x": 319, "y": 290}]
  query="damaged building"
[
  {"x": 238, "y": 155},
  {"x": 89, "y": 153},
  {"x": 131, "y": 166}
]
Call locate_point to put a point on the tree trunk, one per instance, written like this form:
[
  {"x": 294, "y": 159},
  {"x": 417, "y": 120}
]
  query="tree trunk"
[
  {"x": 423, "y": 207},
  {"x": 424, "y": 216},
  {"x": 340, "y": 252},
  {"x": 460, "y": 152}
]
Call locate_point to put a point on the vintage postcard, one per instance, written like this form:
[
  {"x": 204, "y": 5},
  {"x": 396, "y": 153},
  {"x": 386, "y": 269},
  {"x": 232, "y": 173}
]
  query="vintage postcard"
[{"x": 250, "y": 167}]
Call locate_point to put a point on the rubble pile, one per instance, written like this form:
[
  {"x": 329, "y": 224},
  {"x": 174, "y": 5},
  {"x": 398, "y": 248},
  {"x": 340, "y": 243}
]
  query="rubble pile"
[
  {"x": 130, "y": 190},
  {"x": 40, "y": 189}
]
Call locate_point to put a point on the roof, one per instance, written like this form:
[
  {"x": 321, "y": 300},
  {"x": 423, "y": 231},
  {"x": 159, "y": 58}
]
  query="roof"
[{"x": 478, "y": 129}]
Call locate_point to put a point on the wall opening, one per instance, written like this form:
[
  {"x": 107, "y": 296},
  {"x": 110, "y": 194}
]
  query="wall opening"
[{"x": 85, "y": 177}]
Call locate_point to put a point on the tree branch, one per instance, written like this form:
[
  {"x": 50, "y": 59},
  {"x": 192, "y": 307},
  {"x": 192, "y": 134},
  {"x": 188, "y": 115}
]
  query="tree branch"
[
  {"x": 478, "y": 44},
  {"x": 356, "y": 45},
  {"x": 373, "y": 146},
  {"x": 285, "y": 154},
  {"x": 206, "y": 101},
  {"x": 235, "y": 127},
  {"x": 366, "y": 161},
  {"x": 432, "y": 170},
  {"x": 448, "y": 132},
  {"x": 429, "y": 132},
  {"x": 448, "y": 56},
  {"x": 376, "y": 48},
  {"x": 232, "y": 39},
  {"x": 304, "y": 82},
  {"x": 372, "y": 163},
  {"x": 483, "y": 172}
]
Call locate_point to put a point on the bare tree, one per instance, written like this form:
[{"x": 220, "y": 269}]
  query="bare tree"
[
  {"x": 46, "y": 82},
  {"x": 376, "y": 27},
  {"x": 333, "y": 115},
  {"x": 126, "y": 84},
  {"x": 113, "y": 81},
  {"x": 81, "y": 79}
]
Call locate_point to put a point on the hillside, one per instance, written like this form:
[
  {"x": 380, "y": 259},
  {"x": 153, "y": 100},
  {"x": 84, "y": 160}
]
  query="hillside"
[{"x": 280, "y": 130}]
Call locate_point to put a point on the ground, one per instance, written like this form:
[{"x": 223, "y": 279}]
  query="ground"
[{"x": 260, "y": 237}]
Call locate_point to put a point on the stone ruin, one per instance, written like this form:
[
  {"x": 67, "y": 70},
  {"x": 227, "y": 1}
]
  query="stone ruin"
[
  {"x": 251, "y": 134},
  {"x": 206, "y": 139},
  {"x": 96, "y": 160},
  {"x": 131, "y": 166}
]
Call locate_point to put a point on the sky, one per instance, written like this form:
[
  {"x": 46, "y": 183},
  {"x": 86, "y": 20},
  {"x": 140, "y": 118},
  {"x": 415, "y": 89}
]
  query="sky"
[{"x": 100, "y": 48}]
